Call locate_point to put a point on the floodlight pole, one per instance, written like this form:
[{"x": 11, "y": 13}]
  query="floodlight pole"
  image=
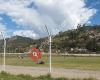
[{"x": 50, "y": 57}]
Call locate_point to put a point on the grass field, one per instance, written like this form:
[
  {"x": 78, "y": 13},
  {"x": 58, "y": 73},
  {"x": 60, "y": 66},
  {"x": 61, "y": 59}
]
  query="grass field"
[
  {"x": 87, "y": 63},
  {"x": 7, "y": 76}
]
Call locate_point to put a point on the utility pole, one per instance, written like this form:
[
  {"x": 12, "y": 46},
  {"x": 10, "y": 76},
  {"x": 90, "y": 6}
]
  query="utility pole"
[{"x": 50, "y": 40}]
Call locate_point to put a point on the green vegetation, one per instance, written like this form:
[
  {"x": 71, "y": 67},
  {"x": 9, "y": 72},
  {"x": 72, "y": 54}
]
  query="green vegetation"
[
  {"x": 87, "y": 63},
  {"x": 7, "y": 76}
]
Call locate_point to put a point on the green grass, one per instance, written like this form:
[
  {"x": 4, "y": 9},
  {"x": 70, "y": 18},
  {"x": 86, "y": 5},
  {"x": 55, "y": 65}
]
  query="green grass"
[
  {"x": 7, "y": 76},
  {"x": 87, "y": 63}
]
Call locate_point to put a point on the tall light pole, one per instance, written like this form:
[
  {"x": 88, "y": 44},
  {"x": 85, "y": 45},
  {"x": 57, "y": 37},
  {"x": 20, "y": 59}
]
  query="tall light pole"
[
  {"x": 4, "y": 55},
  {"x": 50, "y": 40}
]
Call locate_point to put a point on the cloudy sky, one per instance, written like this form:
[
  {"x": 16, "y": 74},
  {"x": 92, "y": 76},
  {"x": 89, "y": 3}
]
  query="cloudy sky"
[{"x": 28, "y": 17}]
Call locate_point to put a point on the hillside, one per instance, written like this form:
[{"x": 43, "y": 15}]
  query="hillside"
[
  {"x": 17, "y": 44},
  {"x": 82, "y": 39}
]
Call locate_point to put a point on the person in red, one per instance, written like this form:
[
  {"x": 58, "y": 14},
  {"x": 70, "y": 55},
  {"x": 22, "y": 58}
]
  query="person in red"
[{"x": 35, "y": 55}]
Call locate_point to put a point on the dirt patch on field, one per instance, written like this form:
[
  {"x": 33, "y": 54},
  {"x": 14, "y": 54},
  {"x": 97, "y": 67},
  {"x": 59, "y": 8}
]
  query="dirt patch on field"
[{"x": 56, "y": 72}]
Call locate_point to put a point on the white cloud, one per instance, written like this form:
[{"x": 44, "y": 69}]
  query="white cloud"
[
  {"x": 58, "y": 15},
  {"x": 25, "y": 33}
]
